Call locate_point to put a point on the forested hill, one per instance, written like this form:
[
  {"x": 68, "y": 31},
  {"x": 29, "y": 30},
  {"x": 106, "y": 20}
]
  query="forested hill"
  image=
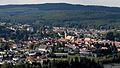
[
  {"x": 63, "y": 6},
  {"x": 61, "y": 14}
]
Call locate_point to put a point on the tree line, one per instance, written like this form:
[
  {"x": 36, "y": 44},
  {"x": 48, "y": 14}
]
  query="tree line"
[{"x": 73, "y": 63}]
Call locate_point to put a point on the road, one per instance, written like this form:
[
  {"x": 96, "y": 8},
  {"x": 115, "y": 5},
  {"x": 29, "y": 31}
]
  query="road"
[{"x": 113, "y": 65}]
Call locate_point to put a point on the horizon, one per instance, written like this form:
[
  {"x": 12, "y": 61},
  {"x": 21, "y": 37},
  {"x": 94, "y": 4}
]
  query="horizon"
[
  {"x": 108, "y": 3},
  {"x": 60, "y": 3}
]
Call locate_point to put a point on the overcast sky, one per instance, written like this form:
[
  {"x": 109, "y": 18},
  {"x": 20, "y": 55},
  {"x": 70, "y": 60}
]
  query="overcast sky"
[{"x": 115, "y": 3}]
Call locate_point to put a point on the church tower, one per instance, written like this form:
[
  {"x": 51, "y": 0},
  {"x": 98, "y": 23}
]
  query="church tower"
[{"x": 65, "y": 34}]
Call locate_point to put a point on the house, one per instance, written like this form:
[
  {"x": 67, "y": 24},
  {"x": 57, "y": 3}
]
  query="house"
[
  {"x": 42, "y": 48},
  {"x": 32, "y": 53},
  {"x": 68, "y": 37},
  {"x": 104, "y": 48},
  {"x": 87, "y": 54},
  {"x": 117, "y": 44},
  {"x": 61, "y": 54}
]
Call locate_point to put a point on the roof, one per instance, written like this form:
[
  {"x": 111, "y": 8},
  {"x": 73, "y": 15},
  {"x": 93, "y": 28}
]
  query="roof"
[
  {"x": 116, "y": 43},
  {"x": 69, "y": 37}
]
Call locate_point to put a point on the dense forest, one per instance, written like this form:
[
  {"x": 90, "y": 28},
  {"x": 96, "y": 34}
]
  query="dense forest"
[{"x": 66, "y": 15}]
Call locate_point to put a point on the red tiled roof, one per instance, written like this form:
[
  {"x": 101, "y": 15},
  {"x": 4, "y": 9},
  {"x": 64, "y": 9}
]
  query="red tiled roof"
[{"x": 116, "y": 43}]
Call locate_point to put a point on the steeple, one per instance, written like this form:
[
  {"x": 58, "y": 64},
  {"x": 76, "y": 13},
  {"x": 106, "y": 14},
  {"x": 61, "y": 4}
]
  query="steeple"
[{"x": 65, "y": 34}]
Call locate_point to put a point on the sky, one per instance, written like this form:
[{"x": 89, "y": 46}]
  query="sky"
[{"x": 113, "y": 3}]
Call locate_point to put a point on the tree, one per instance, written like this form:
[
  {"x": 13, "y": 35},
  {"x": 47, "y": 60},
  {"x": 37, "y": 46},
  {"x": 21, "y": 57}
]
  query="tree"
[
  {"x": 6, "y": 65},
  {"x": 19, "y": 65},
  {"x": 110, "y": 36}
]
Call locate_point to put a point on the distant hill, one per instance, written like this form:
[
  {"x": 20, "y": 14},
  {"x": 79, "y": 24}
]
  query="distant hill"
[
  {"x": 62, "y": 14},
  {"x": 62, "y": 6}
]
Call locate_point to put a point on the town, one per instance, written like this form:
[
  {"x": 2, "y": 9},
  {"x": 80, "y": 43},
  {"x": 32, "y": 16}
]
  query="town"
[{"x": 26, "y": 44}]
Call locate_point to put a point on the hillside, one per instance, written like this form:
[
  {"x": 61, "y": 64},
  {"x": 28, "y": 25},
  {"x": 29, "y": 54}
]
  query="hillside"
[
  {"x": 62, "y": 6},
  {"x": 61, "y": 14}
]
